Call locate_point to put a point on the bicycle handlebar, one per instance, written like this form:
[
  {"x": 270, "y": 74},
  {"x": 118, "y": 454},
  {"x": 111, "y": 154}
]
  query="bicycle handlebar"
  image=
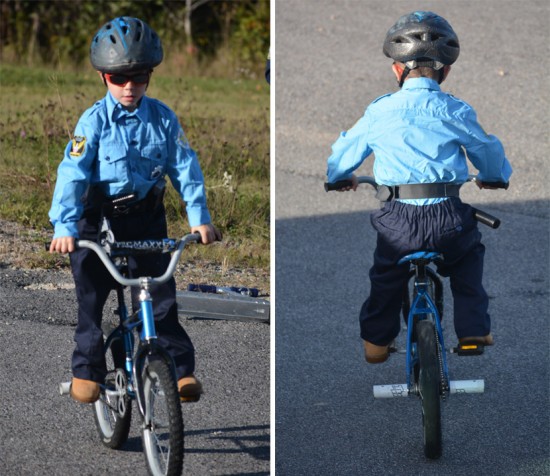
[
  {"x": 341, "y": 184},
  {"x": 100, "y": 251},
  {"x": 480, "y": 215}
]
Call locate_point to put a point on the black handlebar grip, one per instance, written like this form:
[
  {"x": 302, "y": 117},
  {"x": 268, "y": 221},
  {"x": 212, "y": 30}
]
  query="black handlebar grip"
[
  {"x": 339, "y": 185},
  {"x": 503, "y": 185},
  {"x": 486, "y": 219}
]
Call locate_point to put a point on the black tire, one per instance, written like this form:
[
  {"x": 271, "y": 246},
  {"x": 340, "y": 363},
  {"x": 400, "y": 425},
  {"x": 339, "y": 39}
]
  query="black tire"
[
  {"x": 112, "y": 414},
  {"x": 163, "y": 424},
  {"x": 429, "y": 388}
]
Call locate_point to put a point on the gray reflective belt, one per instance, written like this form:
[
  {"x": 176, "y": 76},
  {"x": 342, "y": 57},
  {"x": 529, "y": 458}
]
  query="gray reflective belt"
[{"x": 387, "y": 193}]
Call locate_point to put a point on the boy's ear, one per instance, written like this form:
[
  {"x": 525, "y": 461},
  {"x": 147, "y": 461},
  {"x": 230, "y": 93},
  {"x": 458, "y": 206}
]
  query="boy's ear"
[
  {"x": 446, "y": 70},
  {"x": 397, "y": 70},
  {"x": 102, "y": 77}
]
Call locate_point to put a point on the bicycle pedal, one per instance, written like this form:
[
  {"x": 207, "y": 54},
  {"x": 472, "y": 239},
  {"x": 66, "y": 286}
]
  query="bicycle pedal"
[
  {"x": 469, "y": 348},
  {"x": 396, "y": 350}
]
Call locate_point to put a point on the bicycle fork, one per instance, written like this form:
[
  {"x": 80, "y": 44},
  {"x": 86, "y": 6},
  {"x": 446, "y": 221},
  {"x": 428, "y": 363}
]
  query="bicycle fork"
[{"x": 148, "y": 344}]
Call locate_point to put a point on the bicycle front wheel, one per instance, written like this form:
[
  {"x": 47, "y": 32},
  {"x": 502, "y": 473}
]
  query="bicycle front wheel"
[
  {"x": 163, "y": 424},
  {"x": 113, "y": 410},
  {"x": 428, "y": 386}
]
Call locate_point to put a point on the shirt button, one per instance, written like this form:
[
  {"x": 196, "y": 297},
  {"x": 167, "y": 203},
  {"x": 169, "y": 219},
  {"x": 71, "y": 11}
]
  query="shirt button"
[{"x": 107, "y": 158}]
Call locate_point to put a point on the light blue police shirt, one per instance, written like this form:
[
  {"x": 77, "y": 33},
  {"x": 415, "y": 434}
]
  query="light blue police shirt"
[
  {"x": 126, "y": 152},
  {"x": 419, "y": 135}
]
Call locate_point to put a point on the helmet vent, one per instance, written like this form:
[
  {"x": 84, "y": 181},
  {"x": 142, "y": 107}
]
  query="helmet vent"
[{"x": 113, "y": 39}]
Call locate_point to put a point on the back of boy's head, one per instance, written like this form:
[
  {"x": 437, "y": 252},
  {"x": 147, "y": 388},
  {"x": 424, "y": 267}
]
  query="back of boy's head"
[
  {"x": 422, "y": 40},
  {"x": 125, "y": 45}
]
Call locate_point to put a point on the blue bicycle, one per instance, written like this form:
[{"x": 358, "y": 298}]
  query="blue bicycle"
[
  {"x": 426, "y": 361},
  {"x": 145, "y": 372}
]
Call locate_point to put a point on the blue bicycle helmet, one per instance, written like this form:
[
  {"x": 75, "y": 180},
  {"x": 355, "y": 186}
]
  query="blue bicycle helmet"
[{"x": 125, "y": 44}]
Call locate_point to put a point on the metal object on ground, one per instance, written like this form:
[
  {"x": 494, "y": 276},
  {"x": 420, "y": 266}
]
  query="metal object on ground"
[{"x": 222, "y": 306}]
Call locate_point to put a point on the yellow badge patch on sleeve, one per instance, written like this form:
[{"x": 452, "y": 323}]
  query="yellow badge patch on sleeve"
[{"x": 77, "y": 146}]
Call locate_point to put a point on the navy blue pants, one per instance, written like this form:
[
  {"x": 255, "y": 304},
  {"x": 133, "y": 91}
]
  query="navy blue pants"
[
  {"x": 448, "y": 227},
  {"x": 94, "y": 283}
]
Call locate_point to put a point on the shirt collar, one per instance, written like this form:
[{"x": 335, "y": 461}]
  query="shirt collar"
[
  {"x": 115, "y": 110},
  {"x": 421, "y": 83}
]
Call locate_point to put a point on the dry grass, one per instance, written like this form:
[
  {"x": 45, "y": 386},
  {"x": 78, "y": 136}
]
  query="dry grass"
[{"x": 226, "y": 121}]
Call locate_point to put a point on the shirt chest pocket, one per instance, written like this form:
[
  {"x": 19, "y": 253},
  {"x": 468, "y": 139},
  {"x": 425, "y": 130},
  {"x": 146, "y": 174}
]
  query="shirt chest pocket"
[
  {"x": 153, "y": 160},
  {"x": 112, "y": 165}
]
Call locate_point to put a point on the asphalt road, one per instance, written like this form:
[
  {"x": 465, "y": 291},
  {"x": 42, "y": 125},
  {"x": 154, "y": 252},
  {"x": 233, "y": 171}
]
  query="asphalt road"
[
  {"x": 42, "y": 433},
  {"x": 329, "y": 67}
]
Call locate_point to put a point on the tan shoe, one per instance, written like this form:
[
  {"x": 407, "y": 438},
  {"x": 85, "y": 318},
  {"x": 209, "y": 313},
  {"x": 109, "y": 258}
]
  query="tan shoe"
[
  {"x": 483, "y": 340},
  {"x": 189, "y": 388},
  {"x": 376, "y": 354},
  {"x": 84, "y": 391}
]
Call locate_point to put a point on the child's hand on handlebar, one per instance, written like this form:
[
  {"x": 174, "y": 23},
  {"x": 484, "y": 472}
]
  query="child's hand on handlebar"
[
  {"x": 209, "y": 233},
  {"x": 490, "y": 186},
  {"x": 353, "y": 186},
  {"x": 63, "y": 244}
]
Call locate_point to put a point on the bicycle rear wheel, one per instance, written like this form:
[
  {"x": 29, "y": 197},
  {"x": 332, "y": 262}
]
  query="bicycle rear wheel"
[
  {"x": 113, "y": 411},
  {"x": 163, "y": 424},
  {"x": 429, "y": 386},
  {"x": 435, "y": 290}
]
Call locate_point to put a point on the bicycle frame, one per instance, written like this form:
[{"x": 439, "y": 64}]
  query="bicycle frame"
[
  {"x": 144, "y": 316},
  {"x": 125, "y": 329},
  {"x": 423, "y": 307}
]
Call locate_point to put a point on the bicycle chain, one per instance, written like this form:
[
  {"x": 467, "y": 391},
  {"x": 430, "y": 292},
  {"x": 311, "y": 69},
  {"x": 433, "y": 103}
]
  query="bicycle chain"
[{"x": 443, "y": 384}]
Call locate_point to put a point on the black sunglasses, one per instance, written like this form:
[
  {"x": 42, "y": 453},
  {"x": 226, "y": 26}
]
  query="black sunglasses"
[{"x": 122, "y": 79}]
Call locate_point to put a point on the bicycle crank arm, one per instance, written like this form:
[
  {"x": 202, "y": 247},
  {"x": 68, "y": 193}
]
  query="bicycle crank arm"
[{"x": 401, "y": 390}]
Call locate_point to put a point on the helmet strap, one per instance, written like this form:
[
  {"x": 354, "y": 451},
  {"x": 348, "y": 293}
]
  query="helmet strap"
[{"x": 404, "y": 75}]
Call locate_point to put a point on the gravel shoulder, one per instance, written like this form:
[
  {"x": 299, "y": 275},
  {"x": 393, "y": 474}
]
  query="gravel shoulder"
[
  {"x": 227, "y": 432},
  {"x": 19, "y": 247}
]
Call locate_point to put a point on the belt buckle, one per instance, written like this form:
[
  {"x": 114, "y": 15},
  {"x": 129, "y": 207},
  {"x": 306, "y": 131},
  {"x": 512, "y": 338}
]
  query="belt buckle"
[{"x": 119, "y": 210}]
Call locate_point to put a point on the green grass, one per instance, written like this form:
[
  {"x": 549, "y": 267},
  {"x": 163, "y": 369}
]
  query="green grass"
[{"x": 226, "y": 122}]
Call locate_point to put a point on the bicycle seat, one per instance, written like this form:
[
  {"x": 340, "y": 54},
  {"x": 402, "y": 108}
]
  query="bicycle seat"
[{"x": 421, "y": 255}]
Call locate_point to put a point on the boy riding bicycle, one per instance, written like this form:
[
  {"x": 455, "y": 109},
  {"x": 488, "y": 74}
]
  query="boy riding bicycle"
[
  {"x": 421, "y": 137},
  {"x": 125, "y": 144}
]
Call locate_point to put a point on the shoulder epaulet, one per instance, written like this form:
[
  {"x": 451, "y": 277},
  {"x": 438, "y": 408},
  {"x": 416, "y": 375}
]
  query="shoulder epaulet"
[
  {"x": 381, "y": 97},
  {"x": 458, "y": 100},
  {"x": 97, "y": 109},
  {"x": 163, "y": 108}
]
